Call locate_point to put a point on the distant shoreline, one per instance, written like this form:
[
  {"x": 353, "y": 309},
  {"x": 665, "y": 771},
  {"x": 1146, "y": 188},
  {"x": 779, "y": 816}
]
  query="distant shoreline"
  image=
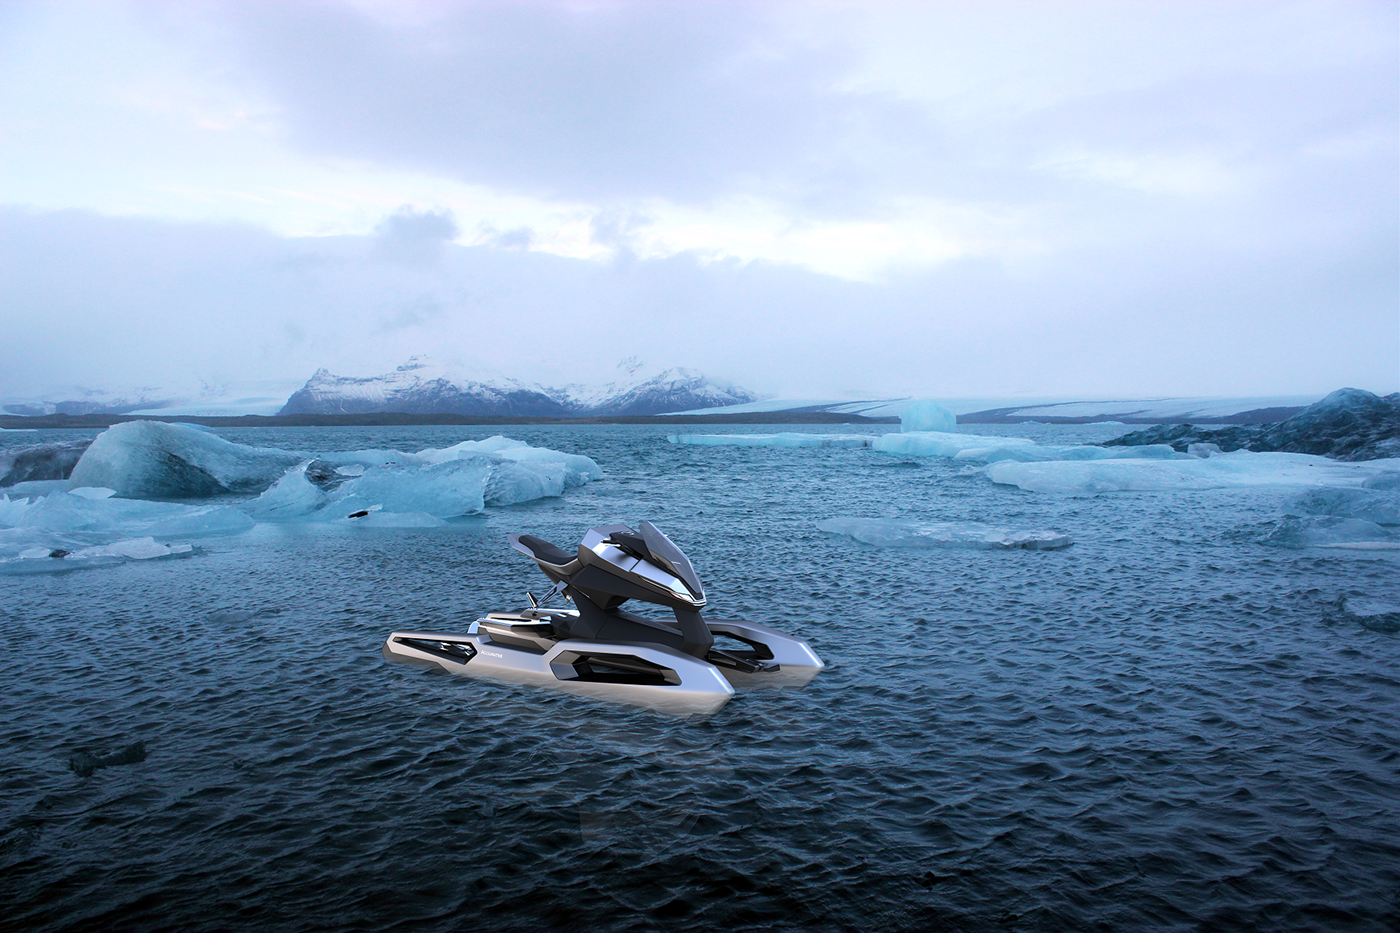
[{"x": 402, "y": 419}]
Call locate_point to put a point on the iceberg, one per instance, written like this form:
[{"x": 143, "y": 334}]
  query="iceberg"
[
  {"x": 432, "y": 484},
  {"x": 444, "y": 490},
  {"x": 1375, "y": 614},
  {"x": 993, "y": 449},
  {"x": 888, "y": 532},
  {"x": 1329, "y": 531},
  {"x": 69, "y": 512},
  {"x": 88, "y": 528},
  {"x": 772, "y": 440},
  {"x": 38, "y": 462},
  {"x": 578, "y": 469},
  {"x": 154, "y": 460},
  {"x": 926, "y": 415},
  {"x": 1238, "y": 469},
  {"x": 1372, "y": 505}
]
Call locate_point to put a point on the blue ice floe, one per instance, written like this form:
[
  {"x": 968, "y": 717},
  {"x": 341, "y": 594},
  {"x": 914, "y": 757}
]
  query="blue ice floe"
[
  {"x": 772, "y": 440},
  {"x": 889, "y": 532},
  {"x": 1237, "y": 469},
  {"x": 85, "y": 527},
  {"x": 102, "y": 515}
]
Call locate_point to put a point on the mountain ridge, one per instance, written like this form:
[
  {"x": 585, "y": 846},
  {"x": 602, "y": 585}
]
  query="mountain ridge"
[{"x": 421, "y": 386}]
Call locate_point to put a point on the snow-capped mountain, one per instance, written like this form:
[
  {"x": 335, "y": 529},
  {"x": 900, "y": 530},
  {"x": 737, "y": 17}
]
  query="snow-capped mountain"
[
  {"x": 191, "y": 398},
  {"x": 81, "y": 400},
  {"x": 422, "y": 386}
]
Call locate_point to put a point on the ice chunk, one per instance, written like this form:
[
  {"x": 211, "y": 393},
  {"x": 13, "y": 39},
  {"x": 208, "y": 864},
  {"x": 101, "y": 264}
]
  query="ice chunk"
[
  {"x": 993, "y": 449},
  {"x": 945, "y": 444},
  {"x": 522, "y": 481},
  {"x": 1239, "y": 468},
  {"x": 39, "y": 461},
  {"x": 927, "y": 415},
  {"x": 12, "y": 510},
  {"x": 93, "y": 492},
  {"x": 443, "y": 490},
  {"x": 772, "y": 440},
  {"x": 153, "y": 460},
  {"x": 291, "y": 497},
  {"x": 1329, "y": 531},
  {"x": 1375, "y": 614},
  {"x": 438, "y": 484},
  {"x": 1372, "y": 505},
  {"x": 1386, "y": 480},
  {"x": 887, "y": 532},
  {"x": 38, "y": 487},
  {"x": 394, "y": 520},
  {"x": 455, "y": 487},
  {"x": 65, "y": 512}
]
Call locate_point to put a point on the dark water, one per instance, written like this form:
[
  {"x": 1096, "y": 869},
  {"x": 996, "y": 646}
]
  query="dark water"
[{"x": 1163, "y": 727}]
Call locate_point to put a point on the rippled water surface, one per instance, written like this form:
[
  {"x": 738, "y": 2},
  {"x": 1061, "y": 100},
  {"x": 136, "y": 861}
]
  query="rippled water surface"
[{"x": 1161, "y": 727}]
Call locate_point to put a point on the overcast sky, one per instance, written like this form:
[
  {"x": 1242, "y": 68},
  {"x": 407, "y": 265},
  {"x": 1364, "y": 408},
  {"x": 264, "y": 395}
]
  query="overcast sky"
[{"x": 1068, "y": 199}]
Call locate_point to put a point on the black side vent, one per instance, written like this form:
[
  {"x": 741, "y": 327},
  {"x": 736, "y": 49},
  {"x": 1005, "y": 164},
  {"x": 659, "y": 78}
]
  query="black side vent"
[
  {"x": 596, "y": 668},
  {"x": 459, "y": 651}
]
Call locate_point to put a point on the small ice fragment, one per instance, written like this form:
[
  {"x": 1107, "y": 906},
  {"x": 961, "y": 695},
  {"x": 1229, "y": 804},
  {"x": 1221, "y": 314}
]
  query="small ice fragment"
[
  {"x": 886, "y": 532},
  {"x": 93, "y": 492},
  {"x": 1330, "y": 531}
]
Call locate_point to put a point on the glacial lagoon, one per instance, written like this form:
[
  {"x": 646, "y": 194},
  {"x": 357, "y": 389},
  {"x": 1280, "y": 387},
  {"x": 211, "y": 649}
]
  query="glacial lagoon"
[{"x": 1175, "y": 712}]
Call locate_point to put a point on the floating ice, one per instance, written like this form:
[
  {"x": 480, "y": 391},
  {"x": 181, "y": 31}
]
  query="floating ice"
[
  {"x": 153, "y": 460},
  {"x": 63, "y": 531},
  {"x": 38, "y": 487},
  {"x": 1386, "y": 480},
  {"x": 39, "y": 461},
  {"x": 1375, "y": 614},
  {"x": 1329, "y": 531},
  {"x": 888, "y": 532},
  {"x": 772, "y": 440},
  {"x": 577, "y": 469},
  {"x": 993, "y": 449},
  {"x": 1239, "y": 468},
  {"x": 66, "y": 512},
  {"x": 1372, "y": 505},
  {"x": 926, "y": 415},
  {"x": 947, "y": 444},
  {"x": 432, "y": 484}
]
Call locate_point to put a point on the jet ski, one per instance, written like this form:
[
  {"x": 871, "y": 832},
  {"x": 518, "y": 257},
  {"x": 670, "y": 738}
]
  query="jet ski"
[{"x": 593, "y": 647}]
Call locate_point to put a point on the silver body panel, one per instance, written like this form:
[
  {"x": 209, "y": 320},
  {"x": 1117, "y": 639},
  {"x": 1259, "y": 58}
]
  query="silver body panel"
[{"x": 700, "y": 688}]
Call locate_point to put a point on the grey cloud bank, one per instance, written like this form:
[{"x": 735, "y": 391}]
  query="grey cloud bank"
[{"x": 1055, "y": 200}]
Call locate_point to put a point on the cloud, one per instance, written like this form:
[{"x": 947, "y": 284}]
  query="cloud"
[
  {"x": 413, "y": 236},
  {"x": 120, "y": 301}
]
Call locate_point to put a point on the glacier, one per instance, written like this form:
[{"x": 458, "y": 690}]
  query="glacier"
[{"x": 888, "y": 532}]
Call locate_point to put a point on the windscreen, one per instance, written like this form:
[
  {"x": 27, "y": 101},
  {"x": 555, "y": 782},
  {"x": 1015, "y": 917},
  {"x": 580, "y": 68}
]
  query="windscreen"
[{"x": 671, "y": 558}]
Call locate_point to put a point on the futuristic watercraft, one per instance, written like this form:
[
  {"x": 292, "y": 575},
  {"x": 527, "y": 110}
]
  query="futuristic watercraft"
[{"x": 598, "y": 649}]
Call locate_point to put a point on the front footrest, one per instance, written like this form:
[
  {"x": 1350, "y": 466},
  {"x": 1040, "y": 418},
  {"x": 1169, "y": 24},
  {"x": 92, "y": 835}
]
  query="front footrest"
[{"x": 743, "y": 665}]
